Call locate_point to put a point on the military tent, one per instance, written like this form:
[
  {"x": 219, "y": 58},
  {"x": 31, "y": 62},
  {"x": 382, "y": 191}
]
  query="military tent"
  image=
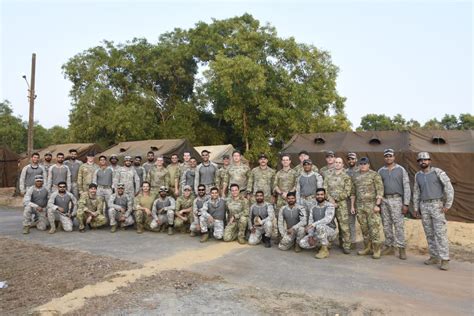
[
  {"x": 8, "y": 167},
  {"x": 217, "y": 151},
  {"x": 161, "y": 147},
  {"x": 452, "y": 151}
]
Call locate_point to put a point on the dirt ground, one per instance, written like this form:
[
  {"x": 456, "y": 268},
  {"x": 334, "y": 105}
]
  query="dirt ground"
[{"x": 36, "y": 274}]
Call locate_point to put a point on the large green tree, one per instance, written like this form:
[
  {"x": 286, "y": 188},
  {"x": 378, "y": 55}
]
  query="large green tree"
[{"x": 13, "y": 132}]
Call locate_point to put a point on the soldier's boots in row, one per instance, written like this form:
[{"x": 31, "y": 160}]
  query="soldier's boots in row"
[
  {"x": 388, "y": 250},
  {"x": 26, "y": 230},
  {"x": 192, "y": 234},
  {"x": 82, "y": 228},
  {"x": 297, "y": 247},
  {"x": 322, "y": 253},
  {"x": 376, "y": 251},
  {"x": 204, "y": 237},
  {"x": 346, "y": 251},
  {"x": 267, "y": 243},
  {"x": 367, "y": 249},
  {"x": 139, "y": 228},
  {"x": 402, "y": 253},
  {"x": 444, "y": 265},
  {"x": 113, "y": 228},
  {"x": 170, "y": 230},
  {"x": 241, "y": 240},
  {"x": 52, "y": 230},
  {"x": 431, "y": 260}
]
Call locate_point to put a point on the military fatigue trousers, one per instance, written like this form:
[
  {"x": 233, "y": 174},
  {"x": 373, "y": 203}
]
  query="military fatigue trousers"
[
  {"x": 266, "y": 228},
  {"x": 322, "y": 234},
  {"x": 434, "y": 224},
  {"x": 370, "y": 222},
  {"x": 236, "y": 229},
  {"x": 288, "y": 240},
  {"x": 352, "y": 222},
  {"x": 74, "y": 190},
  {"x": 40, "y": 218},
  {"x": 163, "y": 218},
  {"x": 342, "y": 217},
  {"x": 55, "y": 215},
  {"x": 393, "y": 220},
  {"x": 142, "y": 218},
  {"x": 181, "y": 225},
  {"x": 96, "y": 221},
  {"x": 218, "y": 226},
  {"x": 114, "y": 216}
]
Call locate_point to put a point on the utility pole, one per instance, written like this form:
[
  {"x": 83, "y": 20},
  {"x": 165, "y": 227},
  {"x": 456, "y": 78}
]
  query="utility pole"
[{"x": 32, "y": 105}]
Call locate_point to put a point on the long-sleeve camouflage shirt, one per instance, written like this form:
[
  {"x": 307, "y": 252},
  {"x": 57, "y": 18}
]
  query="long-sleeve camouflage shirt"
[
  {"x": 447, "y": 188},
  {"x": 85, "y": 176},
  {"x": 261, "y": 179},
  {"x": 238, "y": 207},
  {"x": 338, "y": 186},
  {"x": 368, "y": 186},
  {"x": 89, "y": 204},
  {"x": 129, "y": 177},
  {"x": 238, "y": 174}
]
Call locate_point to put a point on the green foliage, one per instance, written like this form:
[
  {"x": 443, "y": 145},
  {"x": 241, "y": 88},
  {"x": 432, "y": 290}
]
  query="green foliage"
[
  {"x": 13, "y": 132},
  {"x": 376, "y": 122}
]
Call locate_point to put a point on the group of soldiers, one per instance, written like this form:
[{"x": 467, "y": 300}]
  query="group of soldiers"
[{"x": 302, "y": 207}]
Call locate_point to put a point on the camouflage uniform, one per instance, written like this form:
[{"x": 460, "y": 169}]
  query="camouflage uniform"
[
  {"x": 325, "y": 171},
  {"x": 85, "y": 176},
  {"x": 285, "y": 181},
  {"x": 295, "y": 217},
  {"x": 238, "y": 174},
  {"x": 103, "y": 177},
  {"x": 129, "y": 177},
  {"x": 88, "y": 204},
  {"x": 239, "y": 209},
  {"x": 261, "y": 179},
  {"x": 34, "y": 198},
  {"x": 352, "y": 217},
  {"x": 321, "y": 218},
  {"x": 199, "y": 205},
  {"x": 214, "y": 209},
  {"x": 141, "y": 218},
  {"x": 173, "y": 171},
  {"x": 304, "y": 196},
  {"x": 148, "y": 165},
  {"x": 338, "y": 189},
  {"x": 27, "y": 176},
  {"x": 57, "y": 174},
  {"x": 46, "y": 167},
  {"x": 57, "y": 200},
  {"x": 266, "y": 212},
  {"x": 392, "y": 204},
  {"x": 74, "y": 168},
  {"x": 368, "y": 187},
  {"x": 431, "y": 192},
  {"x": 141, "y": 172},
  {"x": 163, "y": 212},
  {"x": 157, "y": 177},
  {"x": 181, "y": 204},
  {"x": 120, "y": 205},
  {"x": 199, "y": 179},
  {"x": 221, "y": 173},
  {"x": 299, "y": 169},
  {"x": 188, "y": 177}
]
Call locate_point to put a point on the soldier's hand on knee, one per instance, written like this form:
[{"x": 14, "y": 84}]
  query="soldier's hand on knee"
[{"x": 353, "y": 211}]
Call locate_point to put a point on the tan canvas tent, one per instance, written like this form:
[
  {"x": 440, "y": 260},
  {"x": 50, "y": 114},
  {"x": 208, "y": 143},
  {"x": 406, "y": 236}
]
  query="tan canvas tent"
[
  {"x": 217, "y": 151},
  {"x": 452, "y": 151},
  {"x": 8, "y": 167},
  {"x": 161, "y": 147}
]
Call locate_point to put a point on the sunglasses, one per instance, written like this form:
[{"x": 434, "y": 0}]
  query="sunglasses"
[{"x": 201, "y": 190}]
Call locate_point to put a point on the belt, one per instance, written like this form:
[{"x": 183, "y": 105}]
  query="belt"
[
  {"x": 390, "y": 196},
  {"x": 432, "y": 200}
]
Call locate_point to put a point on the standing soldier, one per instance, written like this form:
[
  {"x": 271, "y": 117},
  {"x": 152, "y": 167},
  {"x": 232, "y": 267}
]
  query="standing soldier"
[
  {"x": 128, "y": 176},
  {"x": 213, "y": 215},
  {"x": 261, "y": 178},
  {"x": 137, "y": 165},
  {"x": 73, "y": 164},
  {"x": 302, "y": 156},
  {"x": 120, "y": 208},
  {"x": 260, "y": 222},
  {"x": 150, "y": 161},
  {"x": 173, "y": 169},
  {"x": 35, "y": 203},
  {"x": 91, "y": 209},
  {"x": 58, "y": 173},
  {"x": 103, "y": 177},
  {"x": 163, "y": 211},
  {"x": 237, "y": 173},
  {"x": 396, "y": 188},
  {"x": 321, "y": 226},
  {"x": 86, "y": 173},
  {"x": 114, "y": 163},
  {"x": 188, "y": 176},
  {"x": 433, "y": 196},
  {"x": 62, "y": 206},
  {"x": 368, "y": 188},
  {"x": 221, "y": 174},
  {"x": 143, "y": 204},
  {"x": 206, "y": 172},
  {"x": 238, "y": 216},
  {"x": 351, "y": 170},
  {"x": 183, "y": 215},
  {"x": 306, "y": 184},
  {"x": 338, "y": 187},
  {"x": 285, "y": 181},
  {"x": 291, "y": 223},
  {"x": 48, "y": 156},
  {"x": 199, "y": 204},
  {"x": 158, "y": 176},
  {"x": 330, "y": 158},
  {"x": 29, "y": 172}
]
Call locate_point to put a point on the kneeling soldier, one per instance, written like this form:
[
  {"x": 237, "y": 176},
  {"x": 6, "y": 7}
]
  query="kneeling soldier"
[
  {"x": 183, "y": 215},
  {"x": 199, "y": 204},
  {"x": 62, "y": 207},
  {"x": 163, "y": 211},
  {"x": 321, "y": 226},
  {"x": 291, "y": 223},
  {"x": 213, "y": 216},
  {"x": 238, "y": 211},
  {"x": 91, "y": 209},
  {"x": 120, "y": 209},
  {"x": 261, "y": 221},
  {"x": 35, "y": 202}
]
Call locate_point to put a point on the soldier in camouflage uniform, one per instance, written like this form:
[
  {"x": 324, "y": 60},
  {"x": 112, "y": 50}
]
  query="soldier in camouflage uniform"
[
  {"x": 395, "y": 204},
  {"x": 35, "y": 203},
  {"x": 221, "y": 175},
  {"x": 351, "y": 170},
  {"x": 173, "y": 169},
  {"x": 199, "y": 204},
  {"x": 329, "y": 167},
  {"x": 213, "y": 215},
  {"x": 183, "y": 215},
  {"x": 302, "y": 156},
  {"x": 338, "y": 186},
  {"x": 261, "y": 178},
  {"x": 47, "y": 163},
  {"x": 143, "y": 204},
  {"x": 237, "y": 173},
  {"x": 306, "y": 184},
  {"x": 206, "y": 172},
  {"x": 141, "y": 172},
  {"x": 73, "y": 164},
  {"x": 62, "y": 207},
  {"x": 158, "y": 176},
  {"x": 91, "y": 209},
  {"x": 128, "y": 176},
  {"x": 433, "y": 196},
  {"x": 85, "y": 174},
  {"x": 260, "y": 222},
  {"x": 150, "y": 161},
  {"x": 113, "y": 159},
  {"x": 58, "y": 173},
  {"x": 368, "y": 188},
  {"x": 28, "y": 173},
  {"x": 185, "y": 165},
  {"x": 103, "y": 177},
  {"x": 285, "y": 181},
  {"x": 120, "y": 207},
  {"x": 321, "y": 226},
  {"x": 238, "y": 216},
  {"x": 163, "y": 211},
  {"x": 291, "y": 223},
  {"x": 188, "y": 176}
]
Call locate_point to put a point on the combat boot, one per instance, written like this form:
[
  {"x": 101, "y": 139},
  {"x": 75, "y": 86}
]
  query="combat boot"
[
  {"x": 192, "y": 234},
  {"x": 81, "y": 228},
  {"x": 52, "y": 230},
  {"x": 377, "y": 252},
  {"x": 241, "y": 240},
  {"x": 388, "y": 250},
  {"x": 26, "y": 230},
  {"x": 444, "y": 265},
  {"x": 297, "y": 247},
  {"x": 139, "y": 228},
  {"x": 267, "y": 242},
  {"x": 402, "y": 253},
  {"x": 113, "y": 228},
  {"x": 346, "y": 251},
  {"x": 367, "y": 250},
  {"x": 431, "y": 260},
  {"x": 323, "y": 253},
  {"x": 170, "y": 230},
  {"x": 204, "y": 237}
]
